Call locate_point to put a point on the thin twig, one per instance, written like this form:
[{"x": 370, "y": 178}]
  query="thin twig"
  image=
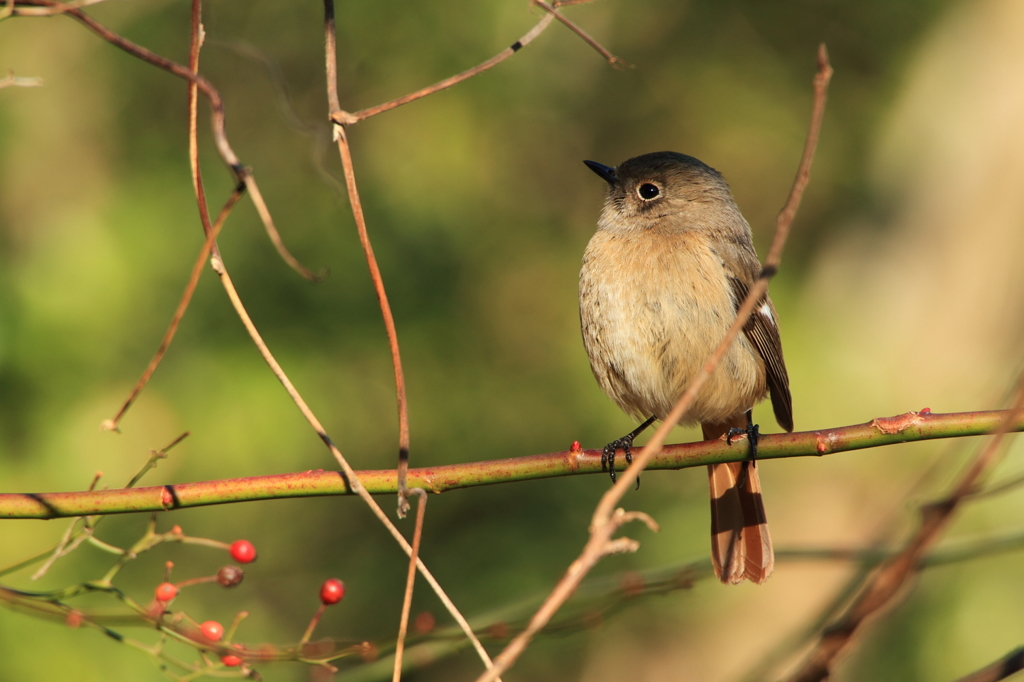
[
  {"x": 154, "y": 457},
  {"x": 243, "y": 173},
  {"x": 342, "y": 117},
  {"x": 410, "y": 580},
  {"x": 607, "y": 519},
  {"x": 389, "y": 324},
  {"x": 219, "y": 267},
  {"x": 186, "y": 298},
  {"x": 898, "y": 571},
  {"x": 53, "y": 10},
  {"x": 60, "y": 550},
  {"x": 345, "y": 118},
  {"x": 351, "y": 479},
  {"x": 616, "y": 62},
  {"x": 371, "y": 260},
  {"x": 10, "y": 80},
  {"x": 1009, "y": 664}
]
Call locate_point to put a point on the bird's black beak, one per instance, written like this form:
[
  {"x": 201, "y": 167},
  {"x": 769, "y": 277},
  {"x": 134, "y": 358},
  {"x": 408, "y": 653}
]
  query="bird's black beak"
[{"x": 607, "y": 174}]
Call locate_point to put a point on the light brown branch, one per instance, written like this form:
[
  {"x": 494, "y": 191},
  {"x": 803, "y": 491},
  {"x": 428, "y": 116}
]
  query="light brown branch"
[
  {"x": 341, "y": 117},
  {"x": 54, "y": 9},
  {"x": 1009, "y": 664},
  {"x": 607, "y": 519},
  {"x": 410, "y": 581},
  {"x": 345, "y": 118},
  {"x": 330, "y": 43},
  {"x": 371, "y": 262},
  {"x": 616, "y": 62},
  {"x": 186, "y": 298},
  {"x": 10, "y": 80},
  {"x": 243, "y": 174}
]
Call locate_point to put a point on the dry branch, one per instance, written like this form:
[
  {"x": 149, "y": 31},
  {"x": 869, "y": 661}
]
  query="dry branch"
[
  {"x": 228, "y": 155},
  {"x": 1009, "y": 664}
]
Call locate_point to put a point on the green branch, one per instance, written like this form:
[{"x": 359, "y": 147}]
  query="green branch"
[{"x": 912, "y": 426}]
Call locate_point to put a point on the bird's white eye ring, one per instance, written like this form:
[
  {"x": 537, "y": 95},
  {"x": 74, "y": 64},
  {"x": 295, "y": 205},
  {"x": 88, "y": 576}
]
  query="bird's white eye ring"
[{"x": 648, "y": 191}]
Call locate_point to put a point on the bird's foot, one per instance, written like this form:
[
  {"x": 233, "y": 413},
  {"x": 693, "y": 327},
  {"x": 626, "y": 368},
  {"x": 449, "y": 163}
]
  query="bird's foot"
[
  {"x": 626, "y": 443},
  {"x": 608, "y": 454},
  {"x": 753, "y": 434}
]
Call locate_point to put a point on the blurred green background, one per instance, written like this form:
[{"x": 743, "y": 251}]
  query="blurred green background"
[{"x": 901, "y": 288}]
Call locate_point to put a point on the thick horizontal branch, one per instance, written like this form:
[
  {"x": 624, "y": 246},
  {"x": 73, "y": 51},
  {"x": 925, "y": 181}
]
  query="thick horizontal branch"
[{"x": 912, "y": 426}]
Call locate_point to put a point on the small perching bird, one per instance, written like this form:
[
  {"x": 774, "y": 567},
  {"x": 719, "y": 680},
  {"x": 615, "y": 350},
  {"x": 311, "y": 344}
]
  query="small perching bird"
[{"x": 662, "y": 278}]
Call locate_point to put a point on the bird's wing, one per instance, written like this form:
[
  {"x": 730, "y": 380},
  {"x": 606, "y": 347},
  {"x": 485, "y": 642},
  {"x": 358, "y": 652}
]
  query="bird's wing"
[{"x": 762, "y": 330}]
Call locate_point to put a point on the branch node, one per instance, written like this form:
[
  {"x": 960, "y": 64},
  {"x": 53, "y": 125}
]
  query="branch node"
[
  {"x": 344, "y": 118},
  {"x": 627, "y": 517},
  {"x": 620, "y": 546},
  {"x": 897, "y": 424}
]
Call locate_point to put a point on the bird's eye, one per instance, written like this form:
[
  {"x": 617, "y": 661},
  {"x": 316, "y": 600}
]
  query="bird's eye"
[{"x": 648, "y": 191}]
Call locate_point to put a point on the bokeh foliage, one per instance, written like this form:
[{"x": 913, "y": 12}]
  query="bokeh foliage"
[{"x": 479, "y": 209}]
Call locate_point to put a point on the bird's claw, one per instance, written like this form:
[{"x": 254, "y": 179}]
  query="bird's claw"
[{"x": 608, "y": 455}]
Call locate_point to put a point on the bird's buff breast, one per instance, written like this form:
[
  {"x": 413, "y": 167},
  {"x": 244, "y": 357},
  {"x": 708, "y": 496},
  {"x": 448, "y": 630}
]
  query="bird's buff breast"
[{"x": 652, "y": 309}]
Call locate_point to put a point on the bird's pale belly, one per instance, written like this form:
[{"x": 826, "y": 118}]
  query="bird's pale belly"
[{"x": 646, "y": 344}]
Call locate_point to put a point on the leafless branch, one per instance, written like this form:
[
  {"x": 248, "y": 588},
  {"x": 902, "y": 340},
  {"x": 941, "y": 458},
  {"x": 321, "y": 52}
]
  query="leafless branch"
[
  {"x": 10, "y": 80},
  {"x": 371, "y": 260},
  {"x": 616, "y": 62},
  {"x": 410, "y": 581},
  {"x": 243, "y": 174},
  {"x": 1009, "y": 664}
]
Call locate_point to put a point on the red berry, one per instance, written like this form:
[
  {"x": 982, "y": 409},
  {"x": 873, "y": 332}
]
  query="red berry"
[
  {"x": 332, "y": 591},
  {"x": 165, "y": 592},
  {"x": 212, "y": 630},
  {"x": 243, "y": 552},
  {"x": 230, "y": 660}
]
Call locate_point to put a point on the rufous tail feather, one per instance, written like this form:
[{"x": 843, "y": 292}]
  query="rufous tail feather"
[{"x": 741, "y": 548}]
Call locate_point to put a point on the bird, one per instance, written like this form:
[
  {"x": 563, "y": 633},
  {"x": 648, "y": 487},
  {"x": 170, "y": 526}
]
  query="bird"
[{"x": 662, "y": 278}]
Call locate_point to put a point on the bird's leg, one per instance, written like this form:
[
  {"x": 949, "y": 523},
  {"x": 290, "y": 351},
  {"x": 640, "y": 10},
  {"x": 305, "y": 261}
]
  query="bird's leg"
[
  {"x": 752, "y": 433},
  {"x": 626, "y": 442}
]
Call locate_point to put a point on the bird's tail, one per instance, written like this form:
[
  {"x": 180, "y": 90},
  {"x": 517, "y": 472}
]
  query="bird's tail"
[{"x": 741, "y": 548}]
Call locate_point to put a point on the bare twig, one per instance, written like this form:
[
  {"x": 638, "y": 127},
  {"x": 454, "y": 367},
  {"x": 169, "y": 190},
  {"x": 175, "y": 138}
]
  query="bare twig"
[
  {"x": 243, "y": 174},
  {"x": 607, "y": 519},
  {"x": 54, "y": 9},
  {"x": 1009, "y": 664},
  {"x": 410, "y": 580},
  {"x": 389, "y": 324},
  {"x": 371, "y": 260},
  {"x": 186, "y": 298},
  {"x": 886, "y": 583},
  {"x": 345, "y": 118},
  {"x": 342, "y": 117},
  {"x": 154, "y": 457},
  {"x": 10, "y": 80},
  {"x": 616, "y": 62},
  {"x": 62, "y": 549}
]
